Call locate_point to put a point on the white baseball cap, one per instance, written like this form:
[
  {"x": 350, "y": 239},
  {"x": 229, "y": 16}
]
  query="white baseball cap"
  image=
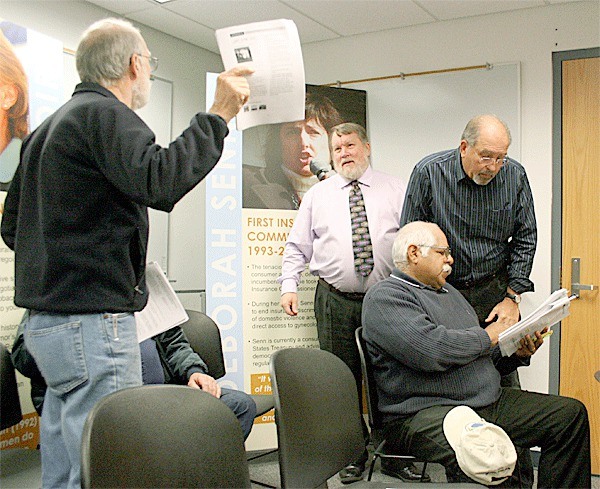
[{"x": 483, "y": 450}]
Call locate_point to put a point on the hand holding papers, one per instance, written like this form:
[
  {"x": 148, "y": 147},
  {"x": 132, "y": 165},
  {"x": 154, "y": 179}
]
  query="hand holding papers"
[
  {"x": 277, "y": 87},
  {"x": 163, "y": 311},
  {"x": 551, "y": 311}
]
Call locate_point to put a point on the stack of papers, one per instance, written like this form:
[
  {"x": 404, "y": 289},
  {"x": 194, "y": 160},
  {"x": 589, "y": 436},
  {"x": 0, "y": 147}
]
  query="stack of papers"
[
  {"x": 164, "y": 310},
  {"x": 550, "y": 312}
]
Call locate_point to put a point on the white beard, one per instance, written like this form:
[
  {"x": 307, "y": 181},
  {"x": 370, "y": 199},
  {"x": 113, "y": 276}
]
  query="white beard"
[{"x": 140, "y": 93}]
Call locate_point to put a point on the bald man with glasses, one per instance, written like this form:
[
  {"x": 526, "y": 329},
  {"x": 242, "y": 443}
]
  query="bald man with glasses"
[{"x": 482, "y": 201}]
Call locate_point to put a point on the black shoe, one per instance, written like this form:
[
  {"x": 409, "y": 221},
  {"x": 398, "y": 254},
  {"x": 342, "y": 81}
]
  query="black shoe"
[
  {"x": 352, "y": 473},
  {"x": 409, "y": 473}
]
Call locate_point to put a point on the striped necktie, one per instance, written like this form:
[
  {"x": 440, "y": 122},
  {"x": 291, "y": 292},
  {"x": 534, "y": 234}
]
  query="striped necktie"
[{"x": 361, "y": 240}]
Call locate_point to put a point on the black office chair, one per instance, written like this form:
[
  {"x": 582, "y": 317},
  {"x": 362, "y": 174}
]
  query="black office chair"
[
  {"x": 10, "y": 406},
  {"x": 162, "y": 436},
  {"x": 318, "y": 426},
  {"x": 205, "y": 339},
  {"x": 375, "y": 422}
]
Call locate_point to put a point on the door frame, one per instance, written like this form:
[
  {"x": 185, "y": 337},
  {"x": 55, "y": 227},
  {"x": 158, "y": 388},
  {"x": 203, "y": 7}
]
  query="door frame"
[{"x": 557, "y": 226}]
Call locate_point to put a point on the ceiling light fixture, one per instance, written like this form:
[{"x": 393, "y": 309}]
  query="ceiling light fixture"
[{"x": 162, "y": 1}]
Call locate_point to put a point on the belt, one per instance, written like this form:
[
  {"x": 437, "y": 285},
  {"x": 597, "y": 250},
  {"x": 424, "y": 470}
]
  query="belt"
[
  {"x": 469, "y": 284},
  {"x": 355, "y": 296}
]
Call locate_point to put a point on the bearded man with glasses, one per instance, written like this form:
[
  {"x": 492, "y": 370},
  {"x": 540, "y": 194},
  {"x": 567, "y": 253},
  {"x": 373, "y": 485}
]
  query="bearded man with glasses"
[{"x": 482, "y": 201}]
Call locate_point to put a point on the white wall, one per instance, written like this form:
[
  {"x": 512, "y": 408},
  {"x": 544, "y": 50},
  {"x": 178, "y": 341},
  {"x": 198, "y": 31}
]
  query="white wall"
[
  {"x": 528, "y": 36},
  {"x": 180, "y": 62}
]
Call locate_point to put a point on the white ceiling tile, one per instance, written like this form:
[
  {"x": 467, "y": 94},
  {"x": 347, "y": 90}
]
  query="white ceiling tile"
[
  {"x": 455, "y": 9},
  {"x": 225, "y": 13},
  {"x": 177, "y": 26},
  {"x": 351, "y": 17},
  {"x": 124, "y": 7}
]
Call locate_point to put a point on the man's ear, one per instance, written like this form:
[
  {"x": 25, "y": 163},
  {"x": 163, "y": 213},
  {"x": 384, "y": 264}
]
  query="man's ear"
[
  {"x": 463, "y": 148},
  {"x": 413, "y": 254},
  {"x": 134, "y": 66}
]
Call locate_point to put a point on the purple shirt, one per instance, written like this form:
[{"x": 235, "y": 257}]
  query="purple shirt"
[{"x": 321, "y": 234}]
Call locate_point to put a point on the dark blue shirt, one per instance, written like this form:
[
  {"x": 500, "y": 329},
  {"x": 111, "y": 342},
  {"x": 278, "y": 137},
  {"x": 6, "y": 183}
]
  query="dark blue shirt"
[{"x": 490, "y": 228}]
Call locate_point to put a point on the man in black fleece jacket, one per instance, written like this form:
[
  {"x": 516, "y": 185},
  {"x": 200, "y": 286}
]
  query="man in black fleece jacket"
[{"x": 76, "y": 217}]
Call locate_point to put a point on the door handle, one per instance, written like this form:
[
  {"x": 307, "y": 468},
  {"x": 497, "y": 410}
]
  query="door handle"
[{"x": 575, "y": 285}]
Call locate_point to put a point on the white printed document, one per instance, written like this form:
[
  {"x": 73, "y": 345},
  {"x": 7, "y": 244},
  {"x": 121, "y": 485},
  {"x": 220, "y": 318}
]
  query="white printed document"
[
  {"x": 550, "y": 312},
  {"x": 277, "y": 87},
  {"x": 164, "y": 310}
]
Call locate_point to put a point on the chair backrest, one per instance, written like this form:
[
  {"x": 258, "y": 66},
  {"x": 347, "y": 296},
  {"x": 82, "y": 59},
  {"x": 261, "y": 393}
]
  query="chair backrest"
[
  {"x": 10, "y": 405},
  {"x": 205, "y": 339},
  {"x": 162, "y": 436},
  {"x": 375, "y": 421},
  {"x": 318, "y": 423}
]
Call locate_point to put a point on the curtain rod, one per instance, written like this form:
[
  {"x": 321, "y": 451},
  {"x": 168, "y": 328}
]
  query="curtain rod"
[{"x": 402, "y": 76}]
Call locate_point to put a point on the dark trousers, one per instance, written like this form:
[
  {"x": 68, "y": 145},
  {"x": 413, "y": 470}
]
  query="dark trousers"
[
  {"x": 558, "y": 425},
  {"x": 483, "y": 297},
  {"x": 338, "y": 316}
]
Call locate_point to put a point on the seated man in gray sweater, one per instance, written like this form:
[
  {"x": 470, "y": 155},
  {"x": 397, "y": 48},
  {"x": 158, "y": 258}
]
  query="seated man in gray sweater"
[{"x": 430, "y": 355}]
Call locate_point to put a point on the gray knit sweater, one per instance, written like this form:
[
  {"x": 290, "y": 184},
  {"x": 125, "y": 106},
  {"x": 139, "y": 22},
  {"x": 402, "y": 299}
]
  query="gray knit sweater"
[{"x": 428, "y": 349}]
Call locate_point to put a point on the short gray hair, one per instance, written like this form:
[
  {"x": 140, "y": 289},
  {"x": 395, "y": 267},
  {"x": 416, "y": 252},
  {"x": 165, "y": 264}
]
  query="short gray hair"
[
  {"x": 346, "y": 128},
  {"x": 417, "y": 233},
  {"x": 105, "y": 51},
  {"x": 473, "y": 127}
]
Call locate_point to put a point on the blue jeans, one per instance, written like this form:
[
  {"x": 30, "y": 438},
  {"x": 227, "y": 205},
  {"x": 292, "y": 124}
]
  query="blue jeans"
[
  {"x": 82, "y": 358},
  {"x": 242, "y": 405}
]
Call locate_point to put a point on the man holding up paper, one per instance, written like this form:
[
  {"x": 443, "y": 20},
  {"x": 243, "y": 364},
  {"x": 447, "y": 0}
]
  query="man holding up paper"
[
  {"x": 430, "y": 355},
  {"x": 76, "y": 217}
]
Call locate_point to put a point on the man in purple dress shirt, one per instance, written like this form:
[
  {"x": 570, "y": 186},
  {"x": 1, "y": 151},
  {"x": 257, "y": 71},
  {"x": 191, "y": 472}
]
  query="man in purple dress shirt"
[{"x": 322, "y": 237}]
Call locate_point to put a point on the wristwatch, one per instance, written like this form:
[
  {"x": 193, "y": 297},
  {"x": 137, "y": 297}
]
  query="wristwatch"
[{"x": 516, "y": 298}]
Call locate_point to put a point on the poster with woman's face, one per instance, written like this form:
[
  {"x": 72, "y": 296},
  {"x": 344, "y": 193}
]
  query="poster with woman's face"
[
  {"x": 278, "y": 158},
  {"x": 31, "y": 77}
]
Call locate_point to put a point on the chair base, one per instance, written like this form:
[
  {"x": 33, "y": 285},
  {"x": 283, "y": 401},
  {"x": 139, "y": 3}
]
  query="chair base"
[{"x": 380, "y": 454}]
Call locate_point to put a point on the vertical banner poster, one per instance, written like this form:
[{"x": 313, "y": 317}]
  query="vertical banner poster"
[
  {"x": 252, "y": 197},
  {"x": 31, "y": 85}
]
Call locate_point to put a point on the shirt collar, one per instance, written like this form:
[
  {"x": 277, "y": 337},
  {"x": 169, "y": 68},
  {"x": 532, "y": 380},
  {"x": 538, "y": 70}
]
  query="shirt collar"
[
  {"x": 365, "y": 179},
  {"x": 457, "y": 168},
  {"x": 413, "y": 282}
]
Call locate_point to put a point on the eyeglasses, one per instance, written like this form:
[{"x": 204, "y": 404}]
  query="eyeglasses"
[
  {"x": 487, "y": 160},
  {"x": 446, "y": 250},
  {"x": 152, "y": 60}
]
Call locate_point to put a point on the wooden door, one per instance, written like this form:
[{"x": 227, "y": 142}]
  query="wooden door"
[{"x": 580, "y": 332}]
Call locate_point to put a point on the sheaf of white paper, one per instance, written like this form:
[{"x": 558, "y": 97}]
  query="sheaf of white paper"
[
  {"x": 277, "y": 86},
  {"x": 164, "y": 310},
  {"x": 550, "y": 312}
]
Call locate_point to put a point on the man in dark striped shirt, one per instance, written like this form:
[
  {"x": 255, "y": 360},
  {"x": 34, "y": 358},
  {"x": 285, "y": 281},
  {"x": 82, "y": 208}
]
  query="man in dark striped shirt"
[{"x": 482, "y": 201}]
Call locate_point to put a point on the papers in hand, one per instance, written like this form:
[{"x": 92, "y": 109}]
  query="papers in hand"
[
  {"x": 277, "y": 87},
  {"x": 164, "y": 310},
  {"x": 550, "y": 312}
]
